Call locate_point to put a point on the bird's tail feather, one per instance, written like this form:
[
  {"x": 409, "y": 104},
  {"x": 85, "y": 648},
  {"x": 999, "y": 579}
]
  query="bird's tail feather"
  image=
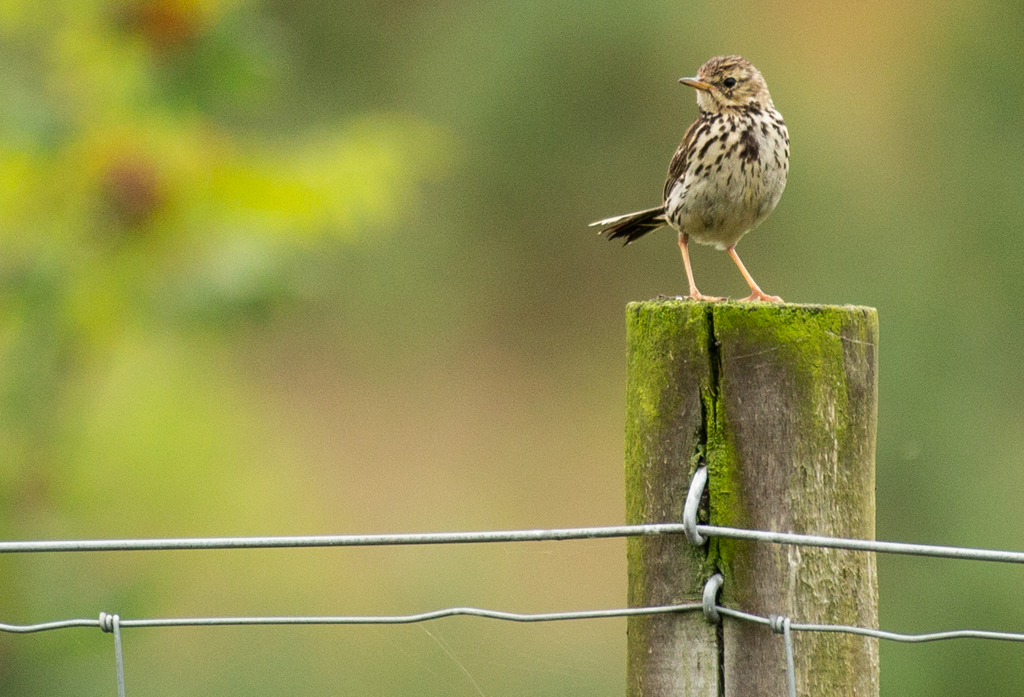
[{"x": 632, "y": 226}]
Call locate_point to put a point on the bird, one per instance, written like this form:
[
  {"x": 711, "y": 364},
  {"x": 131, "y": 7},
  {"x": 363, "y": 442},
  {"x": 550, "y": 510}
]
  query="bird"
[{"x": 728, "y": 173}]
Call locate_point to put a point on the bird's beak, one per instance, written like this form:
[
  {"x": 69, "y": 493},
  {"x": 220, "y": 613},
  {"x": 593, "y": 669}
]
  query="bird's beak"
[{"x": 695, "y": 83}]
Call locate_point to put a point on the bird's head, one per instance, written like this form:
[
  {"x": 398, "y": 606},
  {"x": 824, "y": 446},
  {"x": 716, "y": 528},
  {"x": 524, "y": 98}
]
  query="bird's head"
[{"x": 728, "y": 82}]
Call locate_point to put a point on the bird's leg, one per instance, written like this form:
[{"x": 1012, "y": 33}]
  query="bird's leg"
[
  {"x": 694, "y": 293},
  {"x": 755, "y": 292}
]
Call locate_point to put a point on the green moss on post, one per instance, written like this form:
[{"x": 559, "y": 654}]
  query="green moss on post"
[
  {"x": 669, "y": 370},
  {"x": 780, "y": 400}
]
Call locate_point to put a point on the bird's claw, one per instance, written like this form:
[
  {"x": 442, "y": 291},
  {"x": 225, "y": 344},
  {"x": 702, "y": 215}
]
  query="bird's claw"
[
  {"x": 700, "y": 297},
  {"x": 760, "y": 296}
]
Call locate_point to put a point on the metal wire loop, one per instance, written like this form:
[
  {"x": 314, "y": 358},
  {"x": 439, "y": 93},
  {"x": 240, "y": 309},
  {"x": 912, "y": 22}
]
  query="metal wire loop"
[
  {"x": 710, "y": 599},
  {"x": 776, "y": 622},
  {"x": 107, "y": 622},
  {"x": 112, "y": 624},
  {"x": 693, "y": 496}
]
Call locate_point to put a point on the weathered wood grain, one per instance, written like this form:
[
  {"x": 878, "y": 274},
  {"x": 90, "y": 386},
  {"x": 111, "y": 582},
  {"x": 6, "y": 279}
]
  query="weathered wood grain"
[{"x": 781, "y": 402}]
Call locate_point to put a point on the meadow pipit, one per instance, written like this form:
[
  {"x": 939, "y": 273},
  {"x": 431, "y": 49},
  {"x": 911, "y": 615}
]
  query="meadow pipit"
[{"x": 727, "y": 174}]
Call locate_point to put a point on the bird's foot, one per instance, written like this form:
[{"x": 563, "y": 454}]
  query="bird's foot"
[
  {"x": 697, "y": 296},
  {"x": 760, "y": 296}
]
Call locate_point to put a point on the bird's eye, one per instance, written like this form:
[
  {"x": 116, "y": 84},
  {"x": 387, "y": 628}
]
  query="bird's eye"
[{"x": 729, "y": 82}]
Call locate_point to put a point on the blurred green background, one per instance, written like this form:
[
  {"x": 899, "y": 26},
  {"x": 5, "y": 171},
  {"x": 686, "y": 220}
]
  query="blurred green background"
[{"x": 299, "y": 267}]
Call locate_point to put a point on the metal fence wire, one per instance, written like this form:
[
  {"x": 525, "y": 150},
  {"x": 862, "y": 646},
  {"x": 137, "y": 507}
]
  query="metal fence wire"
[{"x": 695, "y": 532}]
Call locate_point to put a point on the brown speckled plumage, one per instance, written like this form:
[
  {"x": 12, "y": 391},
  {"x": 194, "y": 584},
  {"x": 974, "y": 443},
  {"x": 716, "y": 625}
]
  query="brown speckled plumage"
[{"x": 728, "y": 172}]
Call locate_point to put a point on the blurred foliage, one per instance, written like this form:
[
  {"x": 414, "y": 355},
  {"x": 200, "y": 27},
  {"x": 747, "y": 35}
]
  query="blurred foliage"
[
  {"x": 303, "y": 266},
  {"x": 129, "y": 200}
]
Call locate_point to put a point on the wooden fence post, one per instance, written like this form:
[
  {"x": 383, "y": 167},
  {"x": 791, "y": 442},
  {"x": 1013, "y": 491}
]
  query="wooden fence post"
[{"x": 780, "y": 400}]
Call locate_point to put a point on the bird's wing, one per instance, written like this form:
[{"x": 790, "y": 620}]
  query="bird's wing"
[{"x": 682, "y": 156}]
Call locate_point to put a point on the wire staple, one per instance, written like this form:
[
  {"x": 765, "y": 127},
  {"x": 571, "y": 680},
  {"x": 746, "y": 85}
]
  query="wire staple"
[
  {"x": 693, "y": 496},
  {"x": 710, "y": 599}
]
